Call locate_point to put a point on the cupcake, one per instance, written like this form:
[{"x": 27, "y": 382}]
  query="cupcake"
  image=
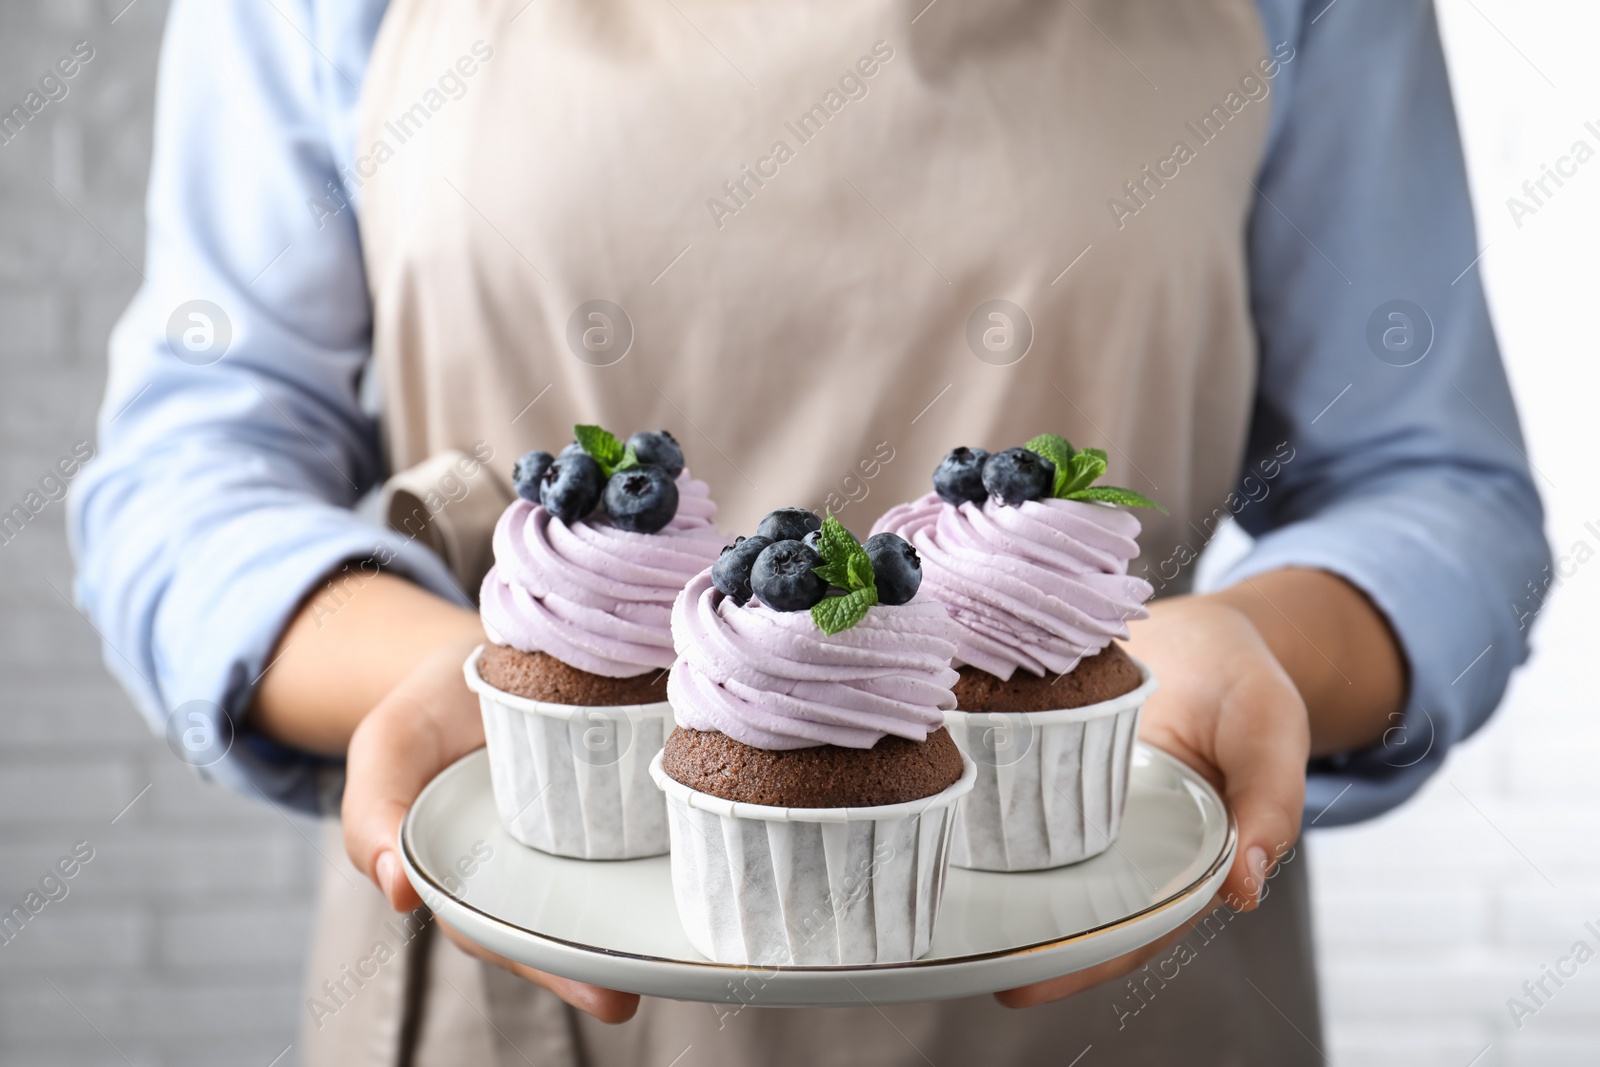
[
  {"x": 578, "y": 610},
  {"x": 1030, "y": 558},
  {"x": 811, "y": 786}
]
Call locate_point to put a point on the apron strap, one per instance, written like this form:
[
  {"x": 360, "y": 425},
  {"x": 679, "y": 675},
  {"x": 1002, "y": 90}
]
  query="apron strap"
[
  {"x": 418, "y": 954},
  {"x": 449, "y": 502}
]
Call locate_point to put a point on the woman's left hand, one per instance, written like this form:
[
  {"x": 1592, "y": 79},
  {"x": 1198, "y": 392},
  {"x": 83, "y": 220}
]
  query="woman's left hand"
[{"x": 1227, "y": 708}]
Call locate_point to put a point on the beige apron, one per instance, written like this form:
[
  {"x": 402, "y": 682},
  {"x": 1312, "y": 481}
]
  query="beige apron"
[
  {"x": 816, "y": 345},
  {"x": 823, "y": 242}
]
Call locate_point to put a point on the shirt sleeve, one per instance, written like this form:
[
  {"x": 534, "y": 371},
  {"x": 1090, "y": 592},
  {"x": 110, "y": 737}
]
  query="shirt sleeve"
[
  {"x": 232, "y": 443},
  {"x": 1385, "y": 447}
]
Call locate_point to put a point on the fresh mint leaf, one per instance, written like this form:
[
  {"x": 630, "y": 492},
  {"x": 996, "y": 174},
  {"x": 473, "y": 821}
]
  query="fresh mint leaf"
[
  {"x": 1110, "y": 494},
  {"x": 858, "y": 569},
  {"x": 1053, "y": 447},
  {"x": 1078, "y": 469},
  {"x": 834, "y": 543},
  {"x": 601, "y": 445},
  {"x": 844, "y": 564},
  {"x": 1081, "y": 473},
  {"x": 834, "y": 574},
  {"x": 1058, "y": 450},
  {"x": 836, "y": 613},
  {"x": 629, "y": 460}
]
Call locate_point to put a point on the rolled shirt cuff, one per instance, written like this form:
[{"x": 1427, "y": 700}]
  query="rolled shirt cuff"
[
  {"x": 220, "y": 621},
  {"x": 1460, "y": 643}
]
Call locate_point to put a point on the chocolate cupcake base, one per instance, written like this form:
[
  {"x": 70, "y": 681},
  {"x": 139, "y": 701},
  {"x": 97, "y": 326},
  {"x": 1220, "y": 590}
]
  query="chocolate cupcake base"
[
  {"x": 892, "y": 771},
  {"x": 540, "y": 676},
  {"x": 1107, "y": 674}
]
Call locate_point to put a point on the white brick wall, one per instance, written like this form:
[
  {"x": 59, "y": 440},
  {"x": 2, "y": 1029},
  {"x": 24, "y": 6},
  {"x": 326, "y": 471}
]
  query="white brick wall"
[{"x": 181, "y": 939}]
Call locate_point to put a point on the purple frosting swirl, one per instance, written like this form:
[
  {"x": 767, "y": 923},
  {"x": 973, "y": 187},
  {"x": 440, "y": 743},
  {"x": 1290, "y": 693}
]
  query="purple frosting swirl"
[
  {"x": 591, "y": 595},
  {"x": 774, "y": 680},
  {"x": 1039, "y": 586}
]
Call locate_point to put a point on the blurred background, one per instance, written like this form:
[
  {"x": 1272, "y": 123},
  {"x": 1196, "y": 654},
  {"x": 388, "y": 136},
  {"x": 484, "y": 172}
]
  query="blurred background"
[{"x": 180, "y": 941}]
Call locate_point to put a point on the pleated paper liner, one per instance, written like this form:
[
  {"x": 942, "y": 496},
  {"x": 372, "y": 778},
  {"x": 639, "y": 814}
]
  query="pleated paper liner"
[
  {"x": 1051, "y": 785},
  {"x": 573, "y": 780},
  {"x": 757, "y": 884}
]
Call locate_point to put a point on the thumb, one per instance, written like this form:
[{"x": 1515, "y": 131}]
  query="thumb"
[
  {"x": 414, "y": 733},
  {"x": 386, "y": 766},
  {"x": 1262, "y": 757}
]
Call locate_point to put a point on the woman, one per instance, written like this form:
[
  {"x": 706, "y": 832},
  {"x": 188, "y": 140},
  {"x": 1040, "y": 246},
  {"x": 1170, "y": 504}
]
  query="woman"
[{"x": 1228, "y": 240}]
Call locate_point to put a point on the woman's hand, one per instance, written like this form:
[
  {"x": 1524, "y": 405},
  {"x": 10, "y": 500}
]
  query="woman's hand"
[
  {"x": 372, "y": 669},
  {"x": 1227, "y": 708},
  {"x": 425, "y": 723},
  {"x": 1254, "y": 679}
]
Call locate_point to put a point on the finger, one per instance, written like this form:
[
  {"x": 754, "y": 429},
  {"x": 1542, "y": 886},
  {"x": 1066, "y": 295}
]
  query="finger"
[
  {"x": 422, "y": 726},
  {"x": 1262, "y": 756},
  {"x": 1071, "y": 984},
  {"x": 607, "y": 1005}
]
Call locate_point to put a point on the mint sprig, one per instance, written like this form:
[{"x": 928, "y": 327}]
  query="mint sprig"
[
  {"x": 1077, "y": 471},
  {"x": 604, "y": 448},
  {"x": 836, "y": 613},
  {"x": 1081, "y": 472},
  {"x": 844, "y": 564},
  {"x": 1112, "y": 495},
  {"x": 1058, "y": 450}
]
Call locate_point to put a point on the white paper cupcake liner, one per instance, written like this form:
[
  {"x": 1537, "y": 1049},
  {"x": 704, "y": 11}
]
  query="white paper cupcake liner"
[
  {"x": 573, "y": 780},
  {"x": 1051, "y": 785},
  {"x": 774, "y": 886}
]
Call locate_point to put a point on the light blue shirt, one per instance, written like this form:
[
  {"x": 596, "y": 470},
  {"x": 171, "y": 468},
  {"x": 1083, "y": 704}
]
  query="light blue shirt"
[{"x": 222, "y": 493}]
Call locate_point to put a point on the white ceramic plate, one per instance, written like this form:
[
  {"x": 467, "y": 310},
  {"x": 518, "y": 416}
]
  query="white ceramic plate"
[{"x": 613, "y": 922}]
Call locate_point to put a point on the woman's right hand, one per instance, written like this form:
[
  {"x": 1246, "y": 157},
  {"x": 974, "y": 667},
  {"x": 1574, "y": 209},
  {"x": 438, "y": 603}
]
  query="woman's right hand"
[{"x": 425, "y": 723}]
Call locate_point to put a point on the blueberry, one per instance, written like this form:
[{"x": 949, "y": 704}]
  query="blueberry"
[
  {"x": 1016, "y": 475},
  {"x": 571, "y": 449},
  {"x": 527, "y": 472},
  {"x": 959, "y": 477},
  {"x": 784, "y": 579},
  {"x": 659, "y": 448},
  {"x": 788, "y": 524},
  {"x": 641, "y": 500},
  {"x": 571, "y": 487},
  {"x": 896, "y": 565},
  {"x": 731, "y": 572}
]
